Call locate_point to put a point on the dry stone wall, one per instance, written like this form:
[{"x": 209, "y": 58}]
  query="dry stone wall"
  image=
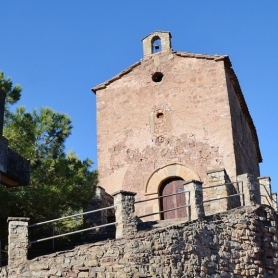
[{"x": 242, "y": 242}]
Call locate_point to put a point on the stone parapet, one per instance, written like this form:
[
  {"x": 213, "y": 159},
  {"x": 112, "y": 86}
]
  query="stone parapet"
[{"x": 238, "y": 243}]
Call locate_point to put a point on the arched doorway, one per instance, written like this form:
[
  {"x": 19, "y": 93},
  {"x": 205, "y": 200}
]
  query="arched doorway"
[{"x": 170, "y": 186}]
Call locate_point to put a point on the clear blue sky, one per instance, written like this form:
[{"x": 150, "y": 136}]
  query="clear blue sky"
[{"x": 58, "y": 50}]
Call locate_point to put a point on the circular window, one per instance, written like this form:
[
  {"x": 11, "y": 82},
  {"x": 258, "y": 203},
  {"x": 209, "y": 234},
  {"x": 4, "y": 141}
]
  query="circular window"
[{"x": 157, "y": 76}]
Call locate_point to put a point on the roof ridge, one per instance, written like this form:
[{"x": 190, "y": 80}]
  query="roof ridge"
[{"x": 215, "y": 57}]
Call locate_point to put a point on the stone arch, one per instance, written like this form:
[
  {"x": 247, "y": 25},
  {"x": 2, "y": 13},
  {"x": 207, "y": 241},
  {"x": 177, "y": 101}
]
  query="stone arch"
[
  {"x": 170, "y": 170},
  {"x": 165, "y": 38},
  {"x": 156, "y": 44}
]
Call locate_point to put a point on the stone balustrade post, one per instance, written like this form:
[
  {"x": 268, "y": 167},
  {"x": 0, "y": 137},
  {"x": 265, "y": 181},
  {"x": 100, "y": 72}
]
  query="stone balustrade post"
[
  {"x": 217, "y": 178},
  {"x": 17, "y": 241},
  {"x": 250, "y": 190},
  {"x": 124, "y": 213},
  {"x": 194, "y": 190}
]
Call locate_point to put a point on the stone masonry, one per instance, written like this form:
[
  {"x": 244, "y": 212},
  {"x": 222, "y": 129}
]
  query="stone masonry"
[
  {"x": 242, "y": 242},
  {"x": 18, "y": 245},
  {"x": 195, "y": 190},
  {"x": 175, "y": 122},
  {"x": 125, "y": 216},
  {"x": 173, "y": 114}
]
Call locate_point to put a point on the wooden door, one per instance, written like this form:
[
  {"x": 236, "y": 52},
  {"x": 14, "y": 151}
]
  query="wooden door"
[{"x": 172, "y": 186}]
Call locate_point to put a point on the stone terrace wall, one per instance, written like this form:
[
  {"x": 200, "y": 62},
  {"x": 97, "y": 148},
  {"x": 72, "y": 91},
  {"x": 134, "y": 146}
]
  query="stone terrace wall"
[{"x": 242, "y": 242}]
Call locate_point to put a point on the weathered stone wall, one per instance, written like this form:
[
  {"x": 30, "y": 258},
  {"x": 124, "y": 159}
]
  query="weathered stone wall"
[
  {"x": 184, "y": 119},
  {"x": 190, "y": 131},
  {"x": 3, "y": 272},
  {"x": 244, "y": 149},
  {"x": 239, "y": 243}
]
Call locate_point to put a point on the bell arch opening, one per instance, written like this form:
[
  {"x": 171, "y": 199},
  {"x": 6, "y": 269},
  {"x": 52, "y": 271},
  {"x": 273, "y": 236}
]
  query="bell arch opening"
[{"x": 156, "y": 44}]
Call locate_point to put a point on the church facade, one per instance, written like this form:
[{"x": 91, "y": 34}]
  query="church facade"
[{"x": 171, "y": 118}]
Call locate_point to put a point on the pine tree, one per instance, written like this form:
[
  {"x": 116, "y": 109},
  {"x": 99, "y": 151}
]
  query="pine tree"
[{"x": 60, "y": 183}]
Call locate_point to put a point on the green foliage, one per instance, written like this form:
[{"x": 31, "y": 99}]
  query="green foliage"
[
  {"x": 13, "y": 92},
  {"x": 37, "y": 136},
  {"x": 60, "y": 183}
]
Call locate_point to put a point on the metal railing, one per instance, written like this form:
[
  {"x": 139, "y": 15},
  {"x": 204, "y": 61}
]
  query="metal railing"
[
  {"x": 234, "y": 190},
  {"x": 268, "y": 197},
  {"x": 163, "y": 211},
  {"x": 224, "y": 197},
  {"x": 223, "y": 184},
  {"x": 73, "y": 232},
  {"x": 237, "y": 194}
]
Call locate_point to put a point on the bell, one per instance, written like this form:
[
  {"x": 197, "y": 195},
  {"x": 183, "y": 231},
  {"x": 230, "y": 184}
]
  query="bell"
[{"x": 156, "y": 47}]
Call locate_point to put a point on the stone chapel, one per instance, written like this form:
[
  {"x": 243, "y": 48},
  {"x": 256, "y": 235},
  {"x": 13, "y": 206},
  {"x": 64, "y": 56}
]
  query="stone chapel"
[{"x": 170, "y": 118}]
